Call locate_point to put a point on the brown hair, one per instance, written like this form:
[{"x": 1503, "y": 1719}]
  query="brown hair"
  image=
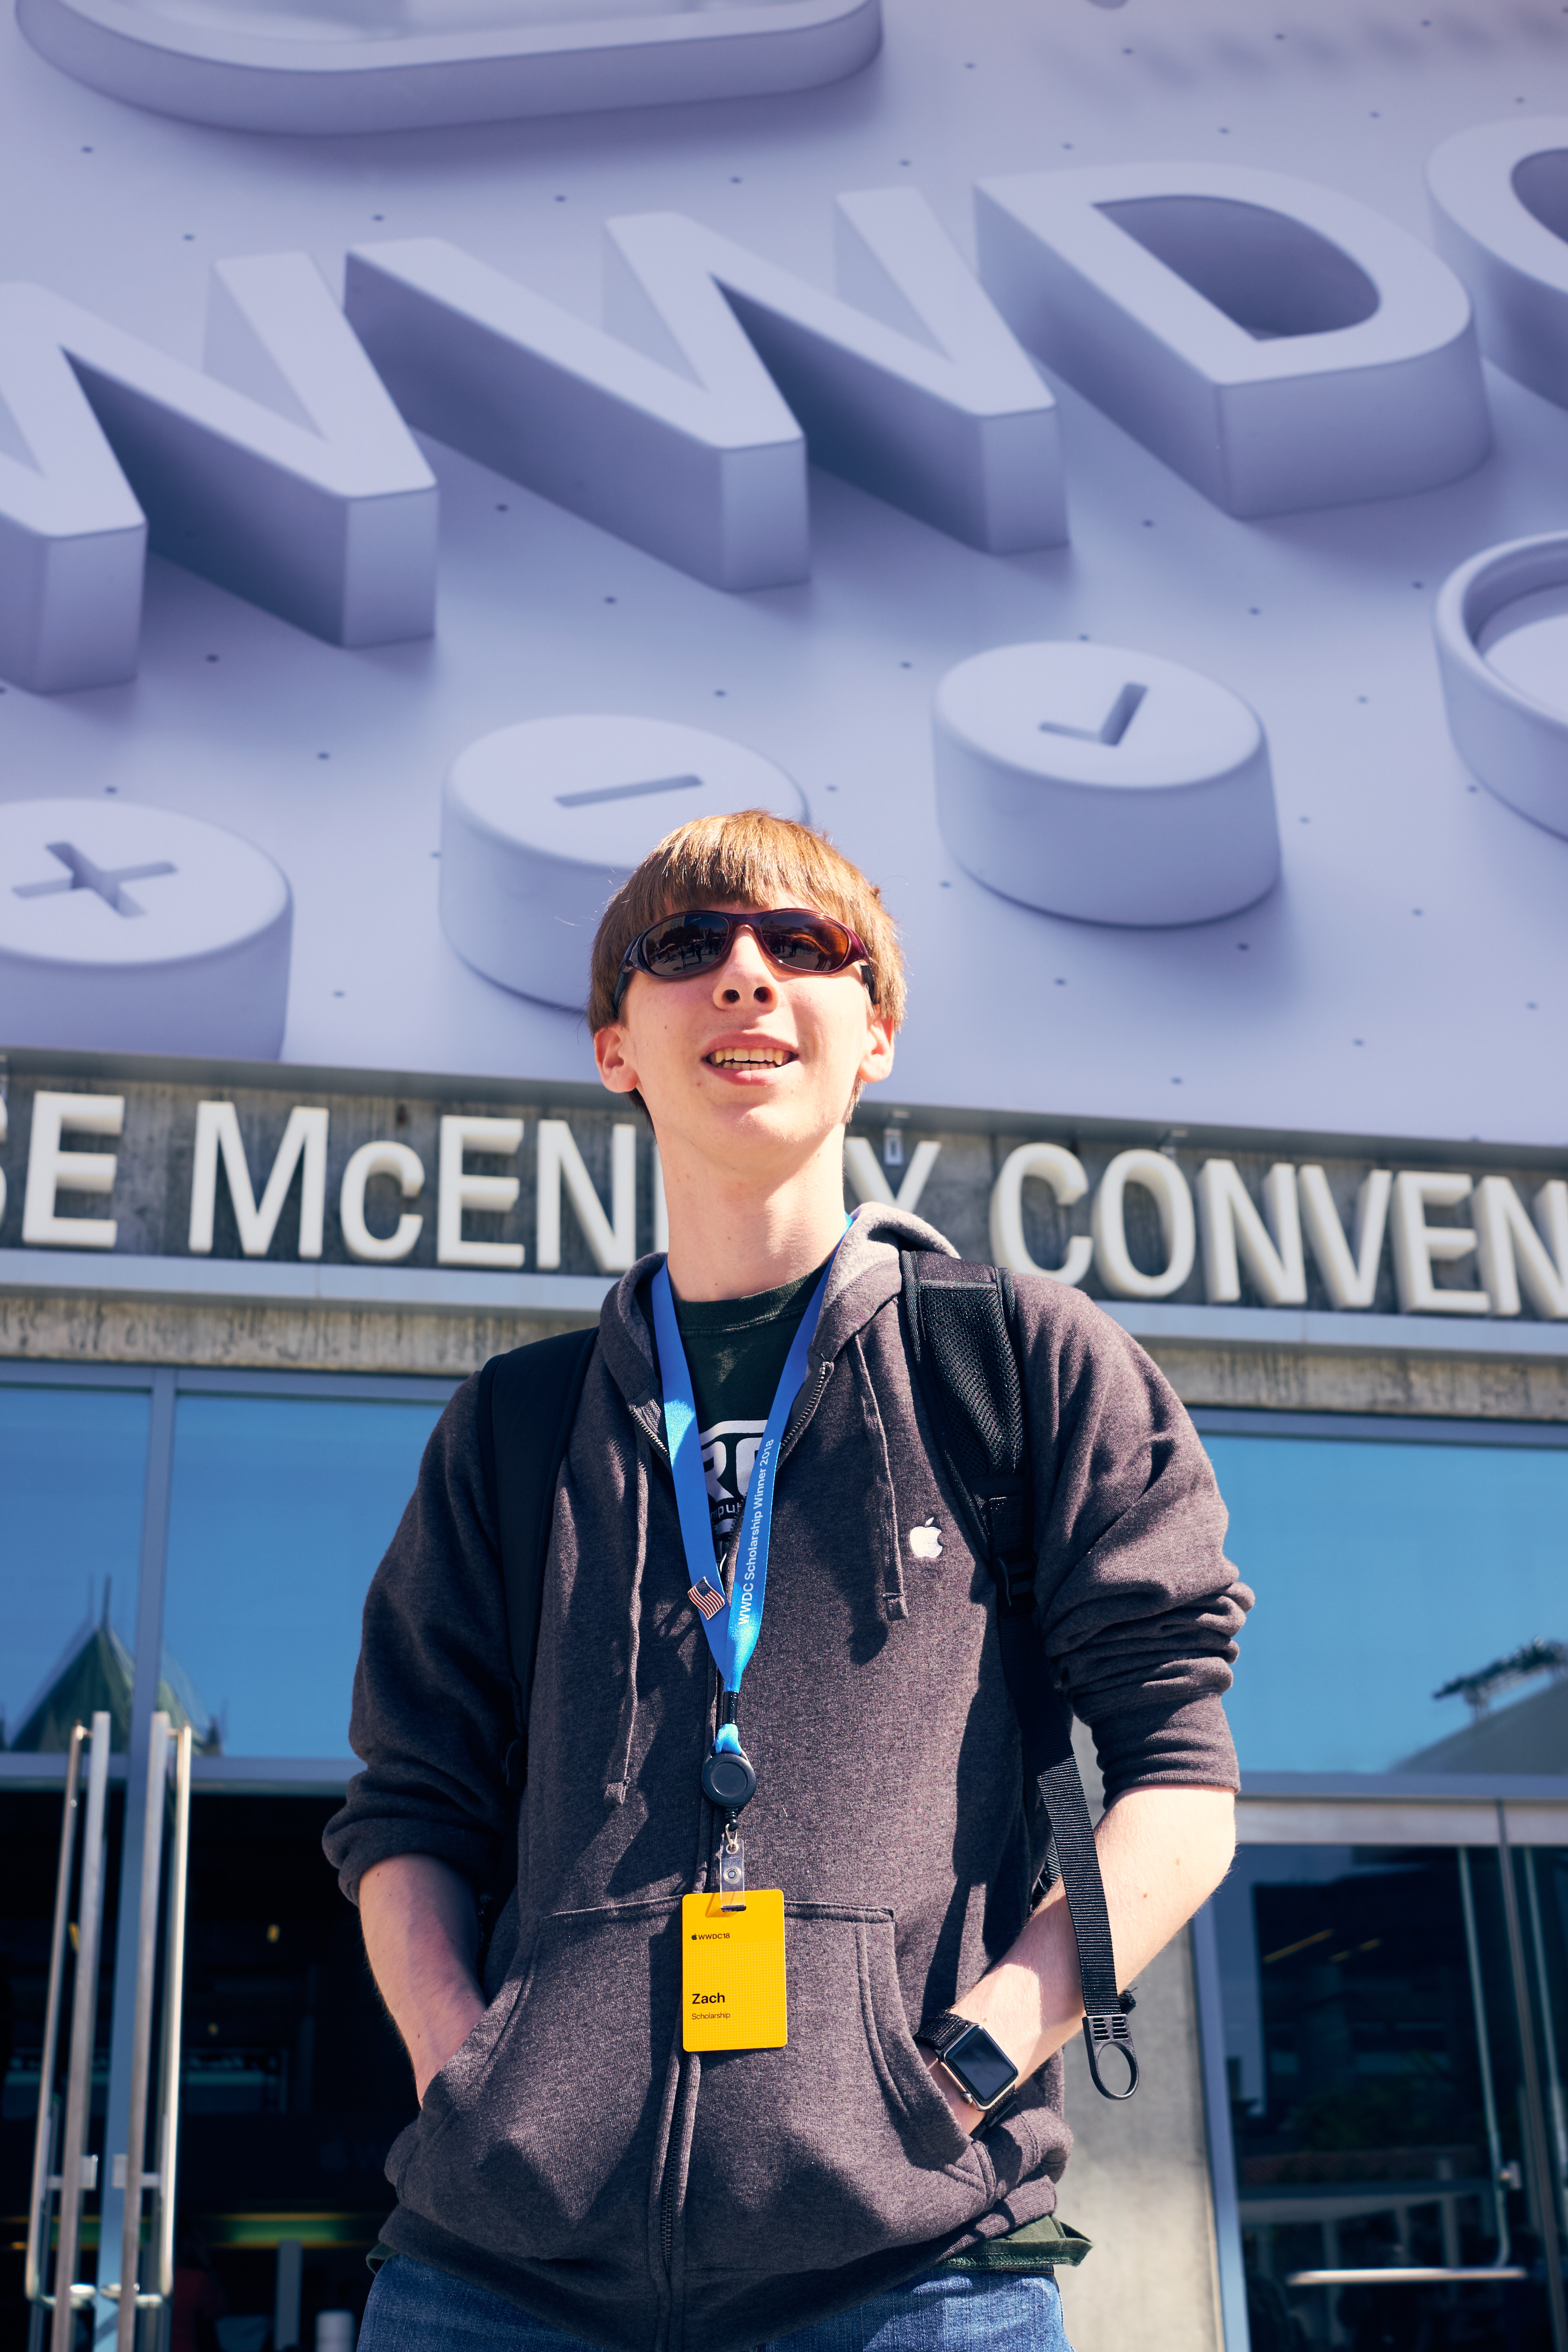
[{"x": 751, "y": 859}]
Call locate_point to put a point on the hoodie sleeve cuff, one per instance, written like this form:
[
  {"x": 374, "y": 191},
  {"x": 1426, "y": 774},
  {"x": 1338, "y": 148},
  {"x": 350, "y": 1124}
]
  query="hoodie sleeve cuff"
[
  {"x": 355, "y": 1846},
  {"x": 1183, "y": 1746}
]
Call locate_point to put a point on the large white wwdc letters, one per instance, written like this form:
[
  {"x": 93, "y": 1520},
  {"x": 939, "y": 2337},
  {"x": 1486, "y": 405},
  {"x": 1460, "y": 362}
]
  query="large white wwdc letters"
[
  {"x": 1113, "y": 1260},
  {"x": 303, "y": 1146},
  {"x": 406, "y": 1170},
  {"x": 684, "y": 424},
  {"x": 1418, "y": 1246},
  {"x": 1499, "y": 207},
  {"x": 612, "y": 1240},
  {"x": 1232, "y": 1229},
  {"x": 1513, "y": 1250},
  {"x": 51, "y": 1170},
  {"x": 1063, "y": 1170},
  {"x": 1349, "y": 1269},
  {"x": 865, "y": 1175},
  {"x": 461, "y": 1189},
  {"x": 284, "y": 473},
  {"x": 1280, "y": 345}
]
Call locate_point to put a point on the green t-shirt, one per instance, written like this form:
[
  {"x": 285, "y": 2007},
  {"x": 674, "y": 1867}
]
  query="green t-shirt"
[{"x": 735, "y": 1350}]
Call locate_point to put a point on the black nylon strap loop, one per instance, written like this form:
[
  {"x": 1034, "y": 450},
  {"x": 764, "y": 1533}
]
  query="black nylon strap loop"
[{"x": 1105, "y": 2024}]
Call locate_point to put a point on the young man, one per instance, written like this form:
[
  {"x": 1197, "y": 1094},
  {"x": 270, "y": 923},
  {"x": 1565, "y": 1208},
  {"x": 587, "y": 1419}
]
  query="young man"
[{"x": 581, "y": 2167}]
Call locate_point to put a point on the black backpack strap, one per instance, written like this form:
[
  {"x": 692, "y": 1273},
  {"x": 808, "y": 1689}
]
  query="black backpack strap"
[
  {"x": 527, "y": 1404},
  {"x": 962, "y": 1324}
]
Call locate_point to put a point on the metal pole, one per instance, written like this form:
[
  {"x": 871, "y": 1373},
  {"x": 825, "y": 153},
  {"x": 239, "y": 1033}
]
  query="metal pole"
[
  {"x": 1484, "y": 2057},
  {"x": 1538, "y": 2148},
  {"x": 83, "y": 2035},
  {"x": 173, "y": 2012},
  {"x": 1549, "y": 2039},
  {"x": 156, "y": 1497},
  {"x": 141, "y": 2029},
  {"x": 44, "y": 2132},
  {"x": 1221, "y": 2146}
]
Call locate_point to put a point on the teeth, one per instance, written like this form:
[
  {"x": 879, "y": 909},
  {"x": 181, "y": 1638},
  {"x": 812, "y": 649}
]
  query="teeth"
[{"x": 734, "y": 1057}]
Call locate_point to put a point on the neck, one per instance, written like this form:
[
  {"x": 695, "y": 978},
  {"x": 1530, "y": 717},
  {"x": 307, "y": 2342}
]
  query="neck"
[{"x": 732, "y": 1234}]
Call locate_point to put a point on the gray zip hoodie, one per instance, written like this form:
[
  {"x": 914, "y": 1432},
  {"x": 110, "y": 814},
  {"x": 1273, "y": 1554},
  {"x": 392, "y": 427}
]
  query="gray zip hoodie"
[{"x": 570, "y": 2155}]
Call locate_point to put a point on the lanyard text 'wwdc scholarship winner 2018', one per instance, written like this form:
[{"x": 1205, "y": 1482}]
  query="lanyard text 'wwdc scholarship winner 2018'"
[{"x": 733, "y": 1954}]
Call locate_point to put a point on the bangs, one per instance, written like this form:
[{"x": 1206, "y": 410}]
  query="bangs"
[{"x": 751, "y": 859}]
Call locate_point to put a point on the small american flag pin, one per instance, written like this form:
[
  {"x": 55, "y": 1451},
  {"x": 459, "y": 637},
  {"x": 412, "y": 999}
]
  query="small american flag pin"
[{"x": 709, "y": 1601}]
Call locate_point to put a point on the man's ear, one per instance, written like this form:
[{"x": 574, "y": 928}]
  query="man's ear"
[
  {"x": 877, "y": 1061},
  {"x": 613, "y": 1055}
]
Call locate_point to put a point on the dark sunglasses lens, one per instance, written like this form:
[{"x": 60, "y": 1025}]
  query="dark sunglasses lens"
[
  {"x": 689, "y": 942},
  {"x": 806, "y": 942}
]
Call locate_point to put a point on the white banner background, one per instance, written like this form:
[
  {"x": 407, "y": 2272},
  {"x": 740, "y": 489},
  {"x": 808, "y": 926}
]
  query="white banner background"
[{"x": 1406, "y": 972}]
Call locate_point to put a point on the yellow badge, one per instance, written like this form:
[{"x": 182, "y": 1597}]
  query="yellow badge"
[{"x": 732, "y": 1972}]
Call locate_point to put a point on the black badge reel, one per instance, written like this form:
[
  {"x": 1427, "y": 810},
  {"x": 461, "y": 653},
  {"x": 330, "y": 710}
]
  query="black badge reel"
[{"x": 729, "y": 1777}]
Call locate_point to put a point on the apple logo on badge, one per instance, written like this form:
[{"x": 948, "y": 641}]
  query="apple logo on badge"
[{"x": 925, "y": 1542}]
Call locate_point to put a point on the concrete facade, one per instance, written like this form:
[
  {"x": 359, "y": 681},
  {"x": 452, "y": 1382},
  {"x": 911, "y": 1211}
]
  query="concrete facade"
[
  {"x": 1138, "y": 2186},
  {"x": 75, "y": 1325}
]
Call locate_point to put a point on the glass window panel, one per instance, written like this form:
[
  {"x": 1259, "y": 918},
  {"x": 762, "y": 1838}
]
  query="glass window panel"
[
  {"x": 73, "y": 1463},
  {"x": 282, "y": 1507},
  {"x": 1544, "y": 1898},
  {"x": 1382, "y": 1570}
]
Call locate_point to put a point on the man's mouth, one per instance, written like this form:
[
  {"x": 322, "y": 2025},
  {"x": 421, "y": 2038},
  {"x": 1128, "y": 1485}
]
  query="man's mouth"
[{"x": 741, "y": 1057}]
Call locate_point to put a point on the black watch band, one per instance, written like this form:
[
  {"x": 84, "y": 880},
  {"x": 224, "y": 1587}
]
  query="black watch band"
[
  {"x": 941, "y": 2032},
  {"x": 974, "y": 2059}
]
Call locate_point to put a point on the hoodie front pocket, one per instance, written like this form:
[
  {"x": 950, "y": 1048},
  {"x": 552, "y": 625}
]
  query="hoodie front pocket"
[
  {"x": 540, "y": 2147},
  {"x": 839, "y": 2145}
]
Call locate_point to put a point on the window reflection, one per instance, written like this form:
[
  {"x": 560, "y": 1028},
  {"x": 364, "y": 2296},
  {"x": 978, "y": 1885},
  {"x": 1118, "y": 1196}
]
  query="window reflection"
[
  {"x": 1375, "y": 2071},
  {"x": 282, "y": 1506},
  {"x": 72, "y": 1466},
  {"x": 1384, "y": 1571}
]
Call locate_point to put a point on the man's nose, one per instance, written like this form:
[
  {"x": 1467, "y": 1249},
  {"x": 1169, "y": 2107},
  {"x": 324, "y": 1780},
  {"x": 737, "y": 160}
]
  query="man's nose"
[{"x": 746, "y": 975}]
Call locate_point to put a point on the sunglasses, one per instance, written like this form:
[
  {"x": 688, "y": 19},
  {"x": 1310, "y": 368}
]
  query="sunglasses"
[{"x": 699, "y": 940}]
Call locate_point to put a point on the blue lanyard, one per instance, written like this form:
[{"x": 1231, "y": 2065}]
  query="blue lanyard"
[{"x": 733, "y": 1627}]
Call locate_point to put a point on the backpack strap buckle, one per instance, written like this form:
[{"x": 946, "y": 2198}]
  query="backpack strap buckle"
[
  {"x": 1105, "y": 2029},
  {"x": 1016, "y": 1582}
]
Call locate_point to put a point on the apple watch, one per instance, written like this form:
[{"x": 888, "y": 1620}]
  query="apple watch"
[{"x": 977, "y": 2063}]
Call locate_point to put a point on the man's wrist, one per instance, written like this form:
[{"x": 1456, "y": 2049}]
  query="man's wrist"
[
  {"x": 966, "y": 2055},
  {"x": 440, "y": 2036},
  {"x": 964, "y": 2113}
]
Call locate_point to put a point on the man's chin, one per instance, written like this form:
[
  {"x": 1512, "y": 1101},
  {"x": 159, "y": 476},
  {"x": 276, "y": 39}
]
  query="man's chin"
[{"x": 772, "y": 1116}]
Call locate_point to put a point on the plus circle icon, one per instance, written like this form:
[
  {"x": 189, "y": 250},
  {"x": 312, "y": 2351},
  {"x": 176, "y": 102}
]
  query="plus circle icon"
[{"x": 133, "y": 929}]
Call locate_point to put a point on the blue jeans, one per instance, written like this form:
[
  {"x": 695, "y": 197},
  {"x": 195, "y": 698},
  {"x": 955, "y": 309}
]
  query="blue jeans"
[{"x": 413, "y": 2308}]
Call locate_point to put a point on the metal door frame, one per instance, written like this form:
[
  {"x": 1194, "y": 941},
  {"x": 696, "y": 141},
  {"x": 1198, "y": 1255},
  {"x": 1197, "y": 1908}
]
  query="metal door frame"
[{"x": 1506, "y": 1815}]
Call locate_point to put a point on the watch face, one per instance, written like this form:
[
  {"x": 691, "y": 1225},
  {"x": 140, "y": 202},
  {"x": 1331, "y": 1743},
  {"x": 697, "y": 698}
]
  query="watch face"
[{"x": 985, "y": 2070}]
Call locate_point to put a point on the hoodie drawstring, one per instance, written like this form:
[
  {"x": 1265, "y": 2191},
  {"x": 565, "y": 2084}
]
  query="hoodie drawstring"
[{"x": 620, "y": 1764}]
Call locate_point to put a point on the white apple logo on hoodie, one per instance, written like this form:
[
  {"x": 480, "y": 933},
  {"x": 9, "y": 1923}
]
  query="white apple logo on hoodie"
[{"x": 925, "y": 1542}]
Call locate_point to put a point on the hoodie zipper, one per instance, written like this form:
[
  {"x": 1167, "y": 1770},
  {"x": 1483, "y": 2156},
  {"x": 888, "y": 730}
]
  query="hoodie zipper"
[
  {"x": 667, "y": 2196},
  {"x": 804, "y": 1405},
  {"x": 650, "y": 1420},
  {"x": 649, "y": 1417}
]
